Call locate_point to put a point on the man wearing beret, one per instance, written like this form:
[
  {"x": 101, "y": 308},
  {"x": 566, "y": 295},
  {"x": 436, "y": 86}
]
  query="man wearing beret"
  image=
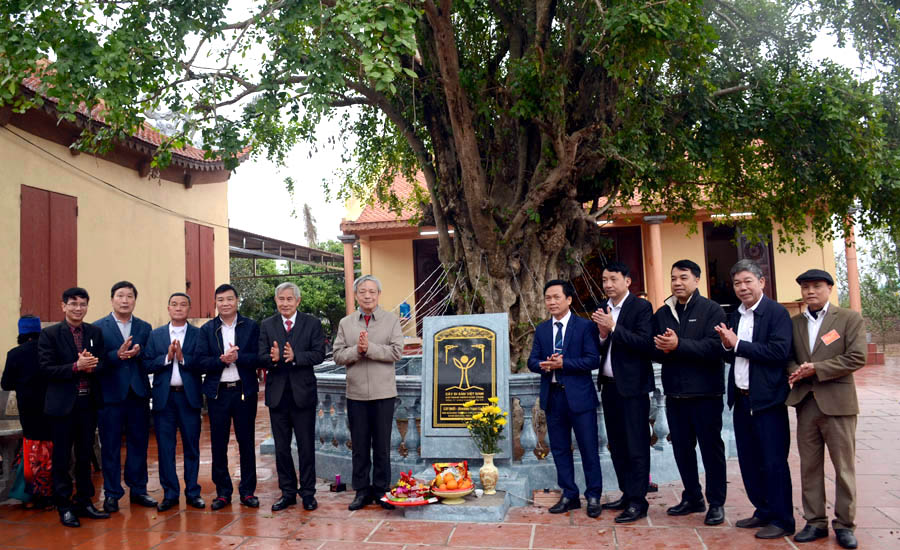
[{"x": 829, "y": 344}]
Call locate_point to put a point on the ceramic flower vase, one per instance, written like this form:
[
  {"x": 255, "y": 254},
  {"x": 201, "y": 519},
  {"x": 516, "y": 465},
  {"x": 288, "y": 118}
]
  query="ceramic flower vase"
[{"x": 489, "y": 474}]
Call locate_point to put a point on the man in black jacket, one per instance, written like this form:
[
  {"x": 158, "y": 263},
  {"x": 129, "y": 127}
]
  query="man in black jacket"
[
  {"x": 290, "y": 345},
  {"x": 71, "y": 353},
  {"x": 230, "y": 386},
  {"x": 625, "y": 324},
  {"x": 690, "y": 352}
]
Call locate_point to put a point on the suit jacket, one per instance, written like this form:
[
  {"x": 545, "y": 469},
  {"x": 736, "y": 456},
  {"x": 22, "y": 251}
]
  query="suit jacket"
[
  {"x": 193, "y": 348},
  {"x": 57, "y": 355},
  {"x": 632, "y": 345},
  {"x": 23, "y": 375},
  {"x": 579, "y": 359},
  {"x": 832, "y": 384},
  {"x": 246, "y": 338},
  {"x": 119, "y": 376},
  {"x": 308, "y": 343},
  {"x": 768, "y": 353}
]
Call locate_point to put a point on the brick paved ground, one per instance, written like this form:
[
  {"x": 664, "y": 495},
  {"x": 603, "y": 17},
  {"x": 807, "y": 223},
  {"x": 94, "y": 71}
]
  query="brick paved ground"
[{"x": 333, "y": 527}]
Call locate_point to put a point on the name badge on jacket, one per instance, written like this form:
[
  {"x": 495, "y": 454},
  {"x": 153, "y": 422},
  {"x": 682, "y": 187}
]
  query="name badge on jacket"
[{"x": 830, "y": 337}]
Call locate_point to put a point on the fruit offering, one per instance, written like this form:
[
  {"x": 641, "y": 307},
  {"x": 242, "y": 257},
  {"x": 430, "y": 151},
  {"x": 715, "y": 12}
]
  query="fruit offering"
[
  {"x": 451, "y": 476},
  {"x": 408, "y": 488}
]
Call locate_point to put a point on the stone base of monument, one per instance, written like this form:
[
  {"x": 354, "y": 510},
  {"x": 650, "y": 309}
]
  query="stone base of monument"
[{"x": 487, "y": 509}]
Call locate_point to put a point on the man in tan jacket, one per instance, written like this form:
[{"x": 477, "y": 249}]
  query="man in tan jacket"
[
  {"x": 368, "y": 342},
  {"x": 829, "y": 344}
]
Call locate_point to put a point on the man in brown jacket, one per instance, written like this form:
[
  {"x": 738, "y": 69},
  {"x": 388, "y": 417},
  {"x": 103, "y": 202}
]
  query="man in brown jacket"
[
  {"x": 368, "y": 342},
  {"x": 829, "y": 344}
]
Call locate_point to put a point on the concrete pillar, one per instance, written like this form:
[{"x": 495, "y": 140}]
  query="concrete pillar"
[
  {"x": 349, "y": 270},
  {"x": 656, "y": 280},
  {"x": 852, "y": 271}
]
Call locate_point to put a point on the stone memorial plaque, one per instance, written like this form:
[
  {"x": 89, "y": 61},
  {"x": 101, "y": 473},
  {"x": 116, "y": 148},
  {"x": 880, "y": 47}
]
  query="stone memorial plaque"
[{"x": 465, "y": 358}]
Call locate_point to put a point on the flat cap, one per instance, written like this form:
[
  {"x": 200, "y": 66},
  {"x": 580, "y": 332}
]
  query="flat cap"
[{"x": 815, "y": 275}]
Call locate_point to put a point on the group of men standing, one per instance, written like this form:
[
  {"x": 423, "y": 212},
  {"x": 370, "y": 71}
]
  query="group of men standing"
[{"x": 806, "y": 362}]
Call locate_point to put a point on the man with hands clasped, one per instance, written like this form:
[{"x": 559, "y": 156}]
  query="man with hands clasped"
[
  {"x": 829, "y": 345},
  {"x": 173, "y": 356},
  {"x": 690, "y": 352},
  {"x": 290, "y": 345},
  {"x": 564, "y": 353},
  {"x": 71, "y": 354}
]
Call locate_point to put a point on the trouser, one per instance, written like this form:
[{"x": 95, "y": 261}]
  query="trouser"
[
  {"x": 288, "y": 419},
  {"x": 694, "y": 420},
  {"x": 231, "y": 405},
  {"x": 370, "y": 432},
  {"x": 561, "y": 422},
  {"x": 815, "y": 431},
  {"x": 626, "y": 420},
  {"x": 178, "y": 414},
  {"x": 763, "y": 440},
  {"x": 133, "y": 416},
  {"x": 74, "y": 430}
]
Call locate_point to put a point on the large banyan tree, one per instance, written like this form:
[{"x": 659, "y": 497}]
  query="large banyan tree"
[{"x": 528, "y": 118}]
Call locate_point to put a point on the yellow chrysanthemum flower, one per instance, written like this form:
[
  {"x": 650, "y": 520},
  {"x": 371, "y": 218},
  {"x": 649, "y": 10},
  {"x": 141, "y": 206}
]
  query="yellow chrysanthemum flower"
[
  {"x": 477, "y": 416},
  {"x": 468, "y": 404},
  {"x": 494, "y": 400},
  {"x": 501, "y": 421}
]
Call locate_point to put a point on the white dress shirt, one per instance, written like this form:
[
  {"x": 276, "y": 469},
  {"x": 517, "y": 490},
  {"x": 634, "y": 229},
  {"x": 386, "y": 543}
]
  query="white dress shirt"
[
  {"x": 124, "y": 327},
  {"x": 292, "y": 319},
  {"x": 616, "y": 309},
  {"x": 745, "y": 333},
  {"x": 176, "y": 333},
  {"x": 813, "y": 324},
  {"x": 565, "y": 323},
  {"x": 229, "y": 373}
]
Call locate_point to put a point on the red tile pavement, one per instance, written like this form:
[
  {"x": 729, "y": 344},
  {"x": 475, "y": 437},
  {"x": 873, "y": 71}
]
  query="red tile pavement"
[{"x": 333, "y": 527}]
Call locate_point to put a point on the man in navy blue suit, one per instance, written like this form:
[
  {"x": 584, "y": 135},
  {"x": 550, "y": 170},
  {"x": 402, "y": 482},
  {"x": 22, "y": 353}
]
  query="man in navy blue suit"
[
  {"x": 624, "y": 324},
  {"x": 758, "y": 342},
  {"x": 564, "y": 353},
  {"x": 126, "y": 400},
  {"x": 230, "y": 386},
  {"x": 173, "y": 356}
]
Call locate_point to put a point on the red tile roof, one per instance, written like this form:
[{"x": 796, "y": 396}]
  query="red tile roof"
[{"x": 380, "y": 216}]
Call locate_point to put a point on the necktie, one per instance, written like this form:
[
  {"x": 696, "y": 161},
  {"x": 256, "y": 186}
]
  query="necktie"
[
  {"x": 557, "y": 342},
  {"x": 367, "y": 318},
  {"x": 289, "y": 324},
  {"x": 814, "y": 313}
]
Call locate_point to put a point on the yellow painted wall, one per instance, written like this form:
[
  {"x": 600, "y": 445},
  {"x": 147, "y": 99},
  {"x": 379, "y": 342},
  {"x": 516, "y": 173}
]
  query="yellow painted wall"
[
  {"x": 678, "y": 245},
  {"x": 391, "y": 261},
  {"x": 119, "y": 237},
  {"x": 790, "y": 264}
]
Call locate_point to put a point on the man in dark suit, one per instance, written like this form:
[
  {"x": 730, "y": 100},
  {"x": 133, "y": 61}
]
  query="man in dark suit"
[
  {"x": 829, "y": 346},
  {"x": 232, "y": 344},
  {"x": 690, "y": 352},
  {"x": 173, "y": 355},
  {"x": 71, "y": 354},
  {"x": 564, "y": 353},
  {"x": 126, "y": 400},
  {"x": 290, "y": 345},
  {"x": 624, "y": 323},
  {"x": 758, "y": 341}
]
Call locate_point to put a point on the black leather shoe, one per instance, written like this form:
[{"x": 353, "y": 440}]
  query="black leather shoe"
[
  {"x": 283, "y": 503},
  {"x": 810, "y": 533},
  {"x": 360, "y": 501},
  {"x": 386, "y": 505},
  {"x": 143, "y": 500},
  {"x": 752, "y": 522},
  {"x": 110, "y": 505},
  {"x": 565, "y": 504},
  {"x": 845, "y": 538},
  {"x": 250, "y": 501},
  {"x": 218, "y": 503},
  {"x": 594, "y": 507},
  {"x": 615, "y": 504},
  {"x": 167, "y": 504},
  {"x": 715, "y": 516},
  {"x": 686, "y": 507},
  {"x": 310, "y": 504},
  {"x": 196, "y": 502},
  {"x": 69, "y": 519},
  {"x": 89, "y": 511},
  {"x": 773, "y": 531},
  {"x": 630, "y": 514}
]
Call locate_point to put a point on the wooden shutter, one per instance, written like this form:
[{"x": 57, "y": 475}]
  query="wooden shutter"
[
  {"x": 200, "y": 275},
  {"x": 207, "y": 272},
  {"x": 48, "y": 257}
]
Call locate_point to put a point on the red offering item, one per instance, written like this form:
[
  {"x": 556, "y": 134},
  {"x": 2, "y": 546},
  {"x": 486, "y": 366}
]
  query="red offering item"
[{"x": 408, "y": 489}]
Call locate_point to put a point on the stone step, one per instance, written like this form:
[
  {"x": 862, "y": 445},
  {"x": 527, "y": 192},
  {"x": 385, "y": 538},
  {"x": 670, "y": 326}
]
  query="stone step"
[{"x": 486, "y": 509}]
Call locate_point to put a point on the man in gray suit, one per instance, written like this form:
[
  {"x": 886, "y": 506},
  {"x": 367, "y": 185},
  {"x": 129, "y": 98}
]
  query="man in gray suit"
[
  {"x": 290, "y": 345},
  {"x": 829, "y": 344}
]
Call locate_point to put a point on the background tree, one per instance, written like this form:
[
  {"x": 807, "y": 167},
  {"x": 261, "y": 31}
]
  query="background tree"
[
  {"x": 529, "y": 119},
  {"x": 309, "y": 223},
  {"x": 880, "y": 285}
]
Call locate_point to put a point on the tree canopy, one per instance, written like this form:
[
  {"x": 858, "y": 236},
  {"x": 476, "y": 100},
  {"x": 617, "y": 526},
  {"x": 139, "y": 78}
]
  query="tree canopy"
[{"x": 529, "y": 119}]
